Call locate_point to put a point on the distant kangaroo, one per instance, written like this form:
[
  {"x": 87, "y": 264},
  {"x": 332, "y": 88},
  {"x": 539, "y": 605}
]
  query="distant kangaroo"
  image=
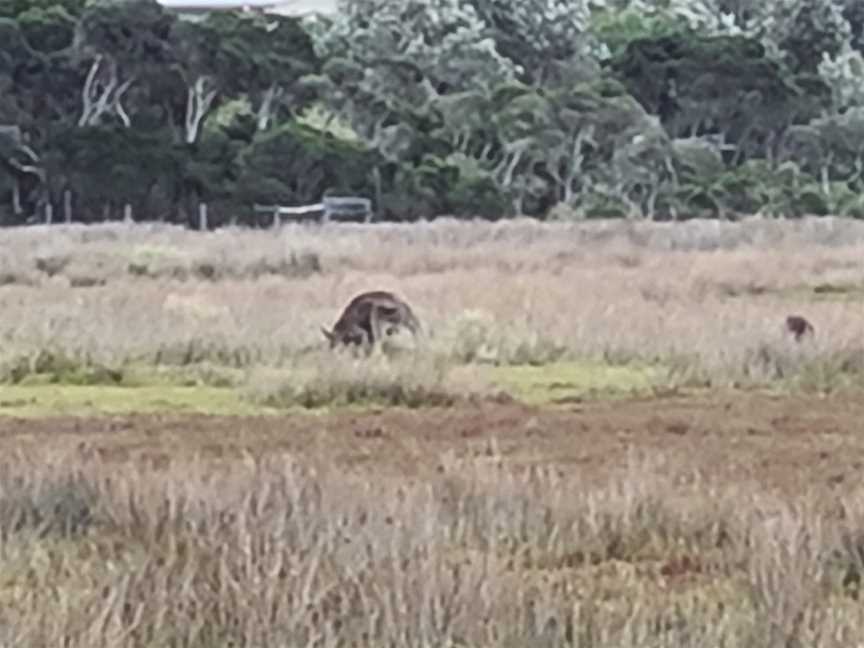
[
  {"x": 369, "y": 317},
  {"x": 798, "y": 326}
]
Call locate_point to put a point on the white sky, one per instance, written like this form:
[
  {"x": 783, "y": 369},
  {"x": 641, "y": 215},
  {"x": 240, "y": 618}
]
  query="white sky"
[{"x": 292, "y": 5}]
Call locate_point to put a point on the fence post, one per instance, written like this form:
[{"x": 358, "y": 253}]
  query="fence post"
[
  {"x": 127, "y": 212},
  {"x": 17, "y": 209},
  {"x": 49, "y": 213},
  {"x": 67, "y": 206},
  {"x": 202, "y": 216},
  {"x": 377, "y": 178}
]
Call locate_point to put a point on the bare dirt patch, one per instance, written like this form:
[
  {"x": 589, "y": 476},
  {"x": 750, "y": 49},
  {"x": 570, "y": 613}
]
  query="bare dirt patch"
[{"x": 785, "y": 442}]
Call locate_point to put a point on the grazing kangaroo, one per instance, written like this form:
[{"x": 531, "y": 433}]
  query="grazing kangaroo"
[
  {"x": 798, "y": 326},
  {"x": 369, "y": 317}
]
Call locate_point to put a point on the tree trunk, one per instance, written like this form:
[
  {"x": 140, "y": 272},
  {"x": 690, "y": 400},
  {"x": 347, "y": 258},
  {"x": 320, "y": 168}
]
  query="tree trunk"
[
  {"x": 198, "y": 103},
  {"x": 265, "y": 111},
  {"x": 99, "y": 97}
]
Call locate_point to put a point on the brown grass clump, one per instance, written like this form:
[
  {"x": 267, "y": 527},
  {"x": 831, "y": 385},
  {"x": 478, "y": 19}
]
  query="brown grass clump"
[{"x": 272, "y": 552}]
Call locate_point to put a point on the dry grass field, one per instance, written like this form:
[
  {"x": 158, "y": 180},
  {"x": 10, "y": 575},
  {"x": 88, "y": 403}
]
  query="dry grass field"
[{"x": 606, "y": 438}]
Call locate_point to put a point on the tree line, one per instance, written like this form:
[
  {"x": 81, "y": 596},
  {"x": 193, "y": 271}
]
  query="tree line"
[{"x": 557, "y": 109}]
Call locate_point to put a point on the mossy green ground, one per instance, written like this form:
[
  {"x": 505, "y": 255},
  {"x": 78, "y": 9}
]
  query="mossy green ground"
[
  {"x": 820, "y": 292},
  {"x": 544, "y": 385},
  {"x": 565, "y": 382},
  {"x": 76, "y": 400}
]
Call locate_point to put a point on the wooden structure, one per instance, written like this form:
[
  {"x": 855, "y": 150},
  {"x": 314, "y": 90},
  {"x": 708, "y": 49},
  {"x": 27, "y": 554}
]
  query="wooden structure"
[{"x": 338, "y": 208}]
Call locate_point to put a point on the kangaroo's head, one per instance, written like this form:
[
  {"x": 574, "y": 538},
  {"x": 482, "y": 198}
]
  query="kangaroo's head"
[
  {"x": 331, "y": 337},
  {"x": 346, "y": 333}
]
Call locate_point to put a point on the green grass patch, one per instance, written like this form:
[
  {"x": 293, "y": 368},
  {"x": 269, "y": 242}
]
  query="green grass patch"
[
  {"x": 34, "y": 401},
  {"x": 834, "y": 292},
  {"x": 338, "y": 384},
  {"x": 49, "y": 368},
  {"x": 572, "y": 381},
  {"x": 838, "y": 292},
  {"x": 820, "y": 292}
]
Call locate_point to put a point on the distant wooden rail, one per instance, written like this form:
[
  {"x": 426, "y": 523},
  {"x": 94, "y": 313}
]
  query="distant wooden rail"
[{"x": 349, "y": 208}]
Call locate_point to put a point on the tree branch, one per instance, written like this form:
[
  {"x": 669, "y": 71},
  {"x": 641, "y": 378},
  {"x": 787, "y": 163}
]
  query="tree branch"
[
  {"x": 265, "y": 111},
  {"x": 100, "y": 100},
  {"x": 30, "y": 169},
  {"x": 515, "y": 156},
  {"x": 87, "y": 92},
  {"x": 198, "y": 103},
  {"x": 118, "y": 106},
  {"x": 29, "y": 152}
]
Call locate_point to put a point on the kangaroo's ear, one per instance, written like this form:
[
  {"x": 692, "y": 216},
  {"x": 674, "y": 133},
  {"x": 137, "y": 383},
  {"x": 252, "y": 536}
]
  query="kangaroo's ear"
[{"x": 327, "y": 334}]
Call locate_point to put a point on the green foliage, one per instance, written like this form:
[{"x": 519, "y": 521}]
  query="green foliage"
[
  {"x": 623, "y": 108},
  {"x": 14, "y": 8},
  {"x": 296, "y": 164},
  {"x": 618, "y": 28},
  {"x": 476, "y": 195},
  {"x": 810, "y": 31},
  {"x": 131, "y": 34},
  {"x": 853, "y": 12},
  {"x": 47, "y": 29},
  {"x": 726, "y": 83},
  {"x": 547, "y": 40},
  {"x": 134, "y": 162},
  {"x": 452, "y": 186},
  {"x": 758, "y": 187}
]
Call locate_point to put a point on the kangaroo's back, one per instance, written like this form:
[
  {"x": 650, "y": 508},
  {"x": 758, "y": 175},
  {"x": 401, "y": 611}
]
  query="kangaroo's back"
[{"x": 373, "y": 295}]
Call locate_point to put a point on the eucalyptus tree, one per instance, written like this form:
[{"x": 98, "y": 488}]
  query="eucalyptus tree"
[
  {"x": 386, "y": 60},
  {"x": 121, "y": 45},
  {"x": 551, "y": 42},
  {"x": 229, "y": 55}
]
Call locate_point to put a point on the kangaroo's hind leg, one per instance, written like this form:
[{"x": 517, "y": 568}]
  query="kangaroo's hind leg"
[
  {"x": 410, "y": 321},
  {"x": 376, "y": 329},
  {"x": 413, "y": 323}
]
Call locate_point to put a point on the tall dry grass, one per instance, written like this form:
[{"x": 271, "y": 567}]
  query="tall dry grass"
[
  {"x": 705, "y": 298},
  {"x": 272, "y": 552}
]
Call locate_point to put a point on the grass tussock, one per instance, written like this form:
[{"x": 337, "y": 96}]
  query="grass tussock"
[
  {"x": 704, "y": 300},
  {"x": 52, "y": 367},
  {"x": 345, "y": 379},
  {"x": 779, "y": 363},
  {"x": 271, "y": 552}
]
